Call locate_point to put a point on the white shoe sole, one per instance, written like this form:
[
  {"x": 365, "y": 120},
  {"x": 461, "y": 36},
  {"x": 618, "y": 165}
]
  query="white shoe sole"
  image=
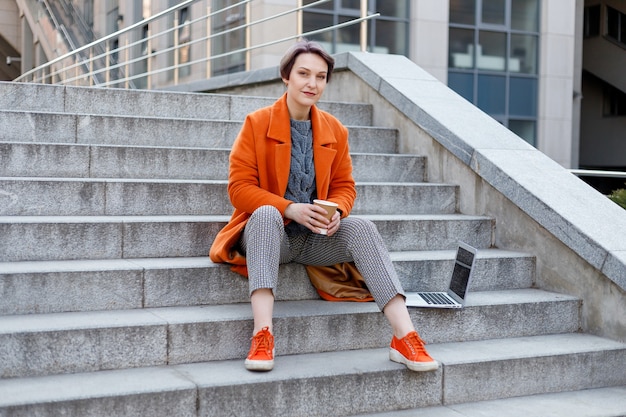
[
  {"x": 396, "y": 356},
  {"x": 259, "y": 365},
  {"x": 252, "y": 365}
]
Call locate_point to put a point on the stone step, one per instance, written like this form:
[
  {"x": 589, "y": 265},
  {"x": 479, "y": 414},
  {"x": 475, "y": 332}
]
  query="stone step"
[
  {"x": 98, "y": 161},
  {"x": 598, "y": 402},
  {"x": 17, "y": 126},
  {"x": 42, "y": 238},
  {"x": 110, "y": 101},
  {"x": 88, "y": 285},
  {"x": 100, "y": 340},
  {"x": 126, "y": 197},
  {"x": 338, "y": 383}
]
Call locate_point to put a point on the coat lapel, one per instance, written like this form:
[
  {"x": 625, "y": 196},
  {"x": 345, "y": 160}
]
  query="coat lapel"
[{"x": 280, "y": 131}]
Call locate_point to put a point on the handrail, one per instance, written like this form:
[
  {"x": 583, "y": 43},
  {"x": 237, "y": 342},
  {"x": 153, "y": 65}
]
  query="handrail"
[
  {"x": 124, "y": 64},
  {"x": 598, "y": 173},
  {"x": 263, "y": 45},
  {"x": 107, "y": 38},
  {"x": 59, "y": 26},
  {"x": 172, "y": 48}
]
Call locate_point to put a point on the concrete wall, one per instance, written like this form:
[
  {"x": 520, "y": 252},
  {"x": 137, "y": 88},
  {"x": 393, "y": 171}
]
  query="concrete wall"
[
  {"x": 429, "y": 37},
  {"x": 10, "y": 23},
  {"x": 283, "y": 27},
  {"x": 539, "y": 207},
  {"x": 556, "y": 80}
]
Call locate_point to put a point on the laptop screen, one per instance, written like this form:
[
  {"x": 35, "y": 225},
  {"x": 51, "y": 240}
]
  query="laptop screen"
[{"x": 461, "y": 272}]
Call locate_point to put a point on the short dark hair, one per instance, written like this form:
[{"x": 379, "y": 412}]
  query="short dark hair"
[{"x": 304, "y": 46}]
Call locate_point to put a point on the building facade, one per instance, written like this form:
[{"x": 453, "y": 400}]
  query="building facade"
[{"x": 549, "y": 70}]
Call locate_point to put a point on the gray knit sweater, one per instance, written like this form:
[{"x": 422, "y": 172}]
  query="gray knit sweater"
[{"x": 301, "y": 186}]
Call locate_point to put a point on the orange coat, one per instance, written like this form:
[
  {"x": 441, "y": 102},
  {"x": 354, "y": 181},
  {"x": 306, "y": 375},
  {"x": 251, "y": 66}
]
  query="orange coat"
[{"x": 259, "y": 171}]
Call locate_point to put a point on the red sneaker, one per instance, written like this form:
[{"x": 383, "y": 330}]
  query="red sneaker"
[
  {"x": 261, "y": 355},
  {"x": 410, "y": 351}
]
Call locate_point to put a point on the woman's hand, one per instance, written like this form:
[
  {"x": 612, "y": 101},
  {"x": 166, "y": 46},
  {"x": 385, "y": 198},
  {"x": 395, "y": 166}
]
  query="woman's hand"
[{"x": 312, "y": 217}]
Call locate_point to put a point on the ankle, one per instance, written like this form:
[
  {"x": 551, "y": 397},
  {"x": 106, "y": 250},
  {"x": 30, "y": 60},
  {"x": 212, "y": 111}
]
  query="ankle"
[
  {"x": 259, "y": 328},
  {"x": 403, "y": 333}
]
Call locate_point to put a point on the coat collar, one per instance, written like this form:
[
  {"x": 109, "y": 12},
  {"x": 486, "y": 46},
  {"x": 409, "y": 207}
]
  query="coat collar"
[
  {"x": 323, "y": 154},
  {"x": 280, "y": 126}
]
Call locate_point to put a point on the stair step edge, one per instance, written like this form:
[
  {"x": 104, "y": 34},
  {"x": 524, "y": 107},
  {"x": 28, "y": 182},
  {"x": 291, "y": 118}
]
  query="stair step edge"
[
  {"x": 598, "y": 402},
  {"x": 19, "y": 391},
  {"x": 157, "y": 316}
]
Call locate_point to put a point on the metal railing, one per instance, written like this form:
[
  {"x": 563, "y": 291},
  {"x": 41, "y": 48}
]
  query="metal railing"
[
  {"x": 598, "y": 173},
  {"x": 158, "y": 48}
]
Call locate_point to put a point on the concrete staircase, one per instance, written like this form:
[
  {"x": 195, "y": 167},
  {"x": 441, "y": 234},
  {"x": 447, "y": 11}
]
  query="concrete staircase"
[{"x": 109, "y": 201}]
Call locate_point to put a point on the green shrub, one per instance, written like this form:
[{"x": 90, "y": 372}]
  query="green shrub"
[{"x": 619, "y": 196}]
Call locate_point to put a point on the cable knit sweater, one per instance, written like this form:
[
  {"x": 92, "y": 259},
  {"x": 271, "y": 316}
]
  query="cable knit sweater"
[{"x": 301, "y": 185}]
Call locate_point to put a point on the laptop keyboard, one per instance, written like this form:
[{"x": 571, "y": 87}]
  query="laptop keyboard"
[{"x": 435, "y": 298}]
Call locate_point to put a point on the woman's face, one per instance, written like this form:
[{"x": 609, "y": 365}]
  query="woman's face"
[{"x": 306, "y": 83}]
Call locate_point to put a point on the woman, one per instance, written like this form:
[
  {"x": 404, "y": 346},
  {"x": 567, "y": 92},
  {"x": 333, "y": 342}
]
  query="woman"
[{"x": 285, "y": 156}]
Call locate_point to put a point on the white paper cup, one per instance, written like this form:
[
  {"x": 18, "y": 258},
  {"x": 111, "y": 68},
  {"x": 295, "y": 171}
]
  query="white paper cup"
[{"x": 330, "y": 208}]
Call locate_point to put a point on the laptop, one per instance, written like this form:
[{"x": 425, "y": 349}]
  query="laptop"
[{"x": 459, "y": 283}]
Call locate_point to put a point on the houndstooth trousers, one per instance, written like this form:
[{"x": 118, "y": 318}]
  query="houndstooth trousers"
[{"x": 266, "y": 245}]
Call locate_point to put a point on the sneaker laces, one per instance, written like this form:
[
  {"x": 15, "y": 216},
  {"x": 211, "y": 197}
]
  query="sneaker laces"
[
  {"x": 414, "y": 342},
  {"x": 261, "y": 341}
]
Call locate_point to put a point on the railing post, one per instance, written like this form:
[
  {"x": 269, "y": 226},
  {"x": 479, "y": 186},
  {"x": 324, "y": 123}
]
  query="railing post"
[
  {"x": 299, "y": 17},
  {"x": 176, "y": 51},
  {"x": 208, "y": 42},
  {"x": 91, "y": 67},
  {"x": 107, "y": 64},
  {"x": 363, "y": 26},
  {"x": 126, "y": 67},
  {"x": 248, "y": 45},
  {"x": 149, "y": 63}
]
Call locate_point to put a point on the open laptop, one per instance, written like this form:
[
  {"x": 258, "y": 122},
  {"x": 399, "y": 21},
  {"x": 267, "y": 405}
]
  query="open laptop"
[{"x": 459, "y": 283}]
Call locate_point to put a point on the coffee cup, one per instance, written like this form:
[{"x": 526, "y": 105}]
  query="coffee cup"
[{"x": 330, "y": 208}]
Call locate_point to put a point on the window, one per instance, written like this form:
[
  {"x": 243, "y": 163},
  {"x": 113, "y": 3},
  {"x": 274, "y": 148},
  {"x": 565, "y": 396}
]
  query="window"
[
  {"x": 493, "y": 59},
  {"x": 525, "y": 15},
  {"x": 614, "y": 102},
  {"x": 230, "y": 41},
  {"x": 388, "y": 33},
  {"x": 616, "y": 25},
  {"x": 463, "y": 12},
  {"x": 493, "y": 12},
  {"x": 591, "y": 25}
]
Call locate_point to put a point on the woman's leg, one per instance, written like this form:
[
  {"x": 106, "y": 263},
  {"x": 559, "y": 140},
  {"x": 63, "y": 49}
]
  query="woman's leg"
[
  {"x": 398, "y": 316},
  {"x": 358, "y": 240},
  {"x": 266, "y": 246},
  {"x": 262, "y": 242}
]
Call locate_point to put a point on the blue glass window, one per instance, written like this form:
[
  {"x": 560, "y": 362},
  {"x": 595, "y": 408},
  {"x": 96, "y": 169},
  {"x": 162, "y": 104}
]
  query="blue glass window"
[
  {"x": 493, "y": 59},
  {"x": 388, "y": 33},
  {"x": 492, "y": 94},
  {"x": 462, "y": 84},
  {"x": 523, "y": 97}
]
